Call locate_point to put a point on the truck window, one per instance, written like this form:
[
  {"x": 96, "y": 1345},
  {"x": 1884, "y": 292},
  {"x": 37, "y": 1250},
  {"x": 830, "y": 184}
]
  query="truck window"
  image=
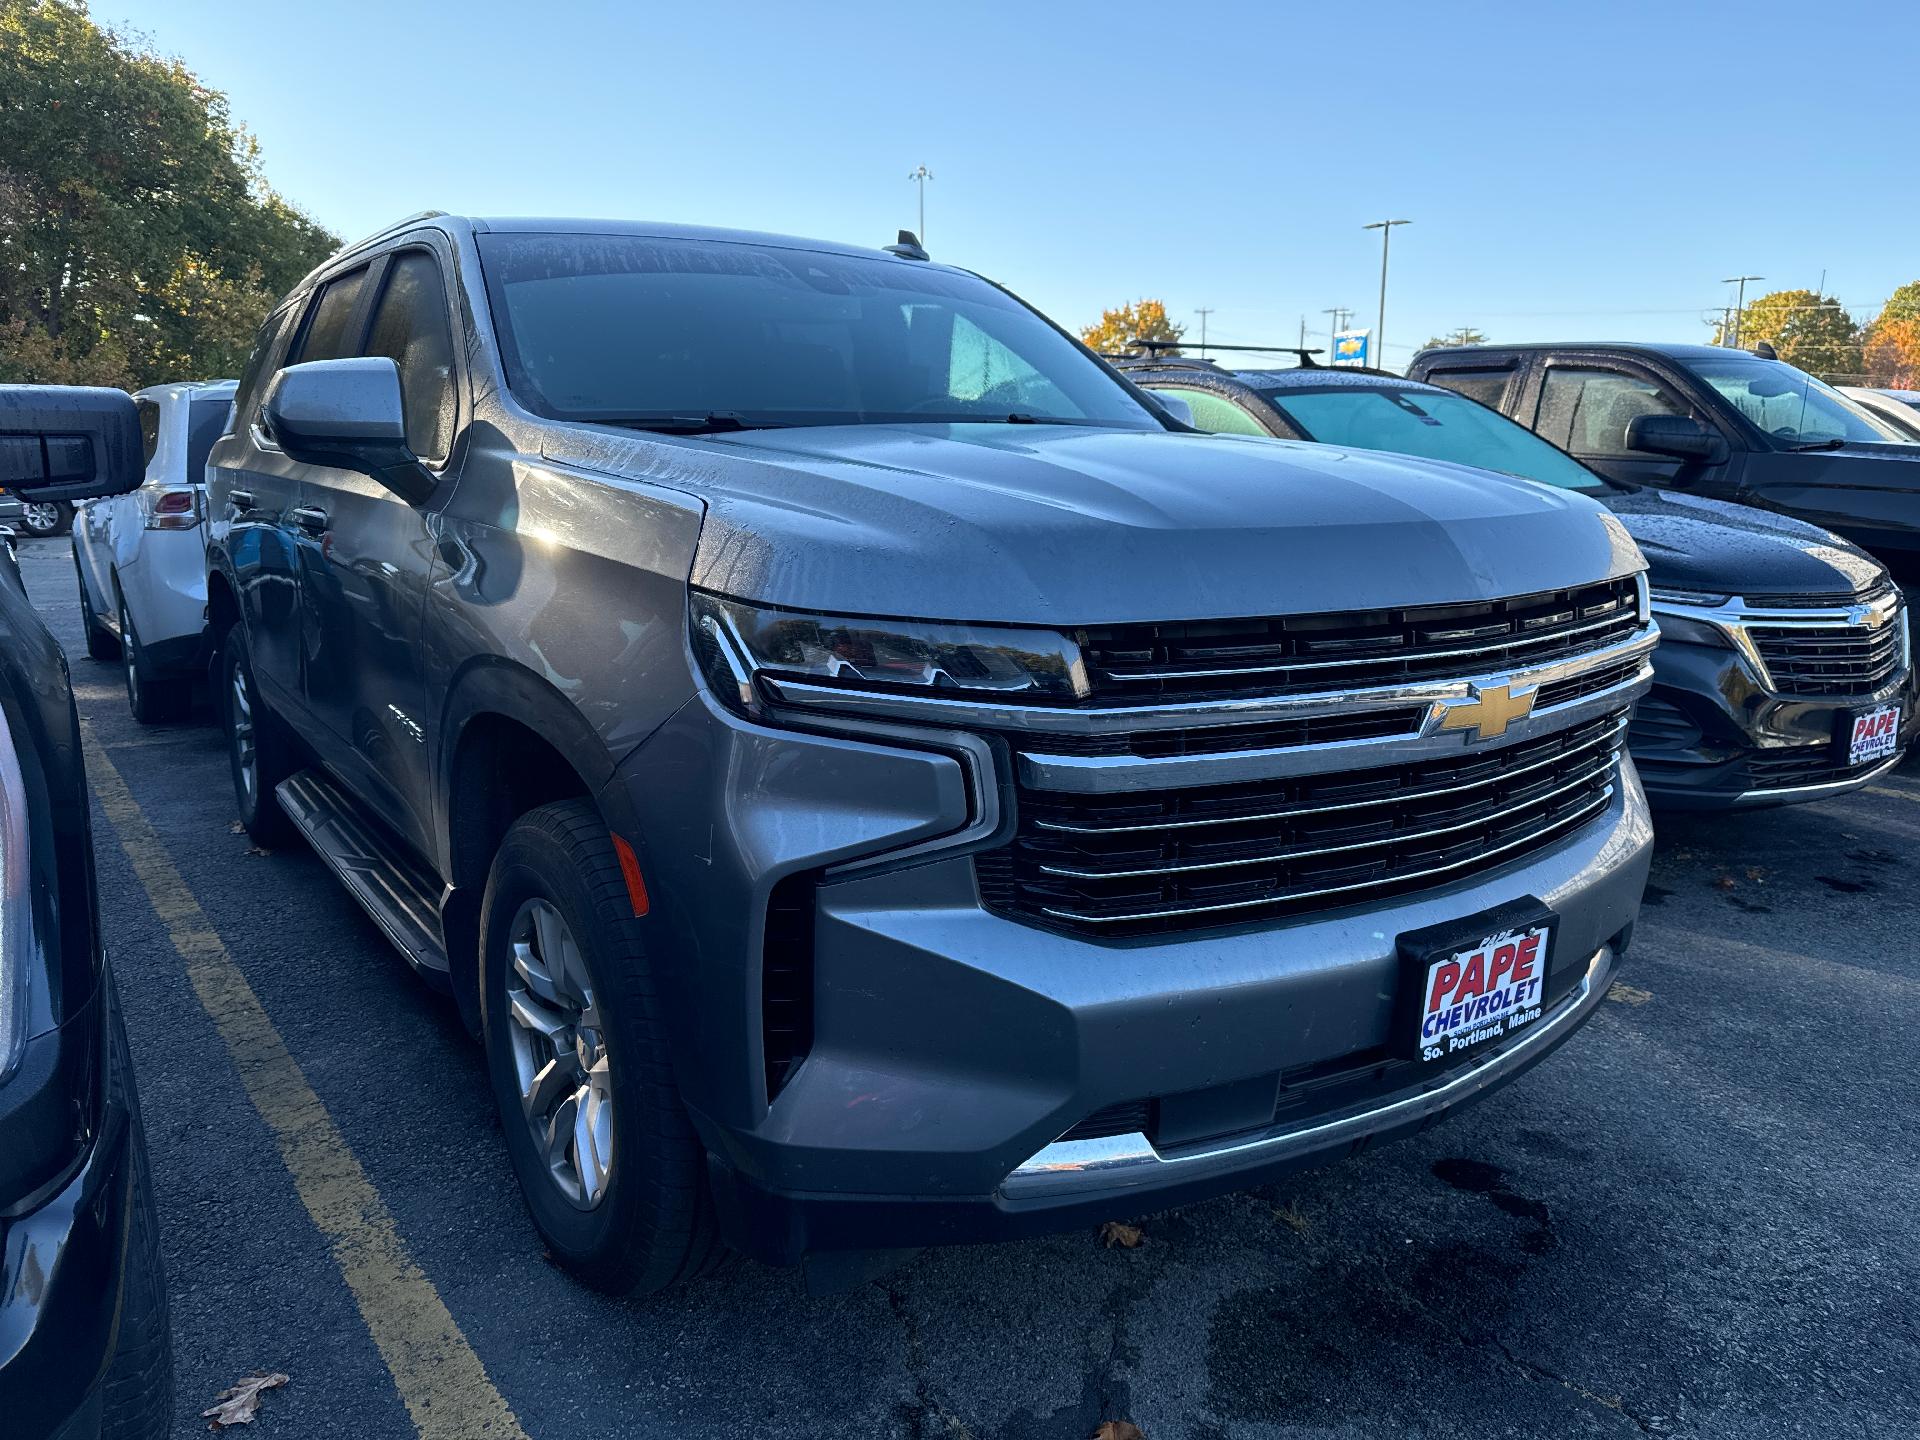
[
  {"x": 259, "y": 367},
  {"x": 327, "y": 337},
  {"x": 410, "y": 328},
  {"x": 1586, "y": 412},
  {"x": 1216, "y": 414},
  {"x": 1488, "y": 386}
]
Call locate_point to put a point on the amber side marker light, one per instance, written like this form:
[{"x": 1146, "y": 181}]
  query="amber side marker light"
[{"x": 630, "y": 869}]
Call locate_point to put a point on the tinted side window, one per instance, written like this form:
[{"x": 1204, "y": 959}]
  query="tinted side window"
[
  {"x": 410, "y": 328},
  {"x": 1489, "y": 387},
  {"x": 149, "y": 429},
  {"x": 1216, "y": 414},
  {"x": 327, "y": 337},
  {"x": 1587, "y": 412},
  {"x": 206, "y": 422},
  {"x": 253, "y": 378}
]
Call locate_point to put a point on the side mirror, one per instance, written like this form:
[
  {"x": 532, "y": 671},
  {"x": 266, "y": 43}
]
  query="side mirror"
[
  {"x": 347, "y": 414},
  {"x": 68, "y": 442},
  {"x": 1680, "y": 437},
  {"x": 1176, "y": 407}
]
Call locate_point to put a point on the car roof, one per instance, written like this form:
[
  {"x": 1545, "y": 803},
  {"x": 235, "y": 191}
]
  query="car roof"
[{"x": 1672, "y": 350}]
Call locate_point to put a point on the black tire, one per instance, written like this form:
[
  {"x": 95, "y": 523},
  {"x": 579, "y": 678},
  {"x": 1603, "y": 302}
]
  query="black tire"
[
  {"x": 137, "y": 1393},
  {"x": 154, "y": 700},
  {"x": 654, "y": 1223},
  {"x": 273, "y": 755},
  {"x": 45, "y": 519},
  {"x": 101, "y": 644}
]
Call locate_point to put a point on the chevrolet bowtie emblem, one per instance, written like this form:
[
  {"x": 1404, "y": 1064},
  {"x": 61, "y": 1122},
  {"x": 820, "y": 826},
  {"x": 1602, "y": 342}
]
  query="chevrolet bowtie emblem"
[{"x": 1489, "y": 712}]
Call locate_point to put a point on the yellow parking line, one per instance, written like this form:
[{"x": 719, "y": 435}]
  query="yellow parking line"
[
  {"x": 1895, "y": 794},
  {"x": 440, "y": 1379}
]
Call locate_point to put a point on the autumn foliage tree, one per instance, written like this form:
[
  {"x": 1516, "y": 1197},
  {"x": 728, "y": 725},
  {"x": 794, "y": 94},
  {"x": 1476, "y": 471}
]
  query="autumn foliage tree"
[
  {"x": 1891, "y": 355},
  {"x": 139, "y": 240},
  {"x": 1806, "y": 329},
  {"x": 1142, "y": 320}
]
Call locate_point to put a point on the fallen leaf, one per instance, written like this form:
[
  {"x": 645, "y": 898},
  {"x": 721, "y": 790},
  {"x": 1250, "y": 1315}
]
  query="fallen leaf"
[
  {"x": 1628, "y": 994},
  {"x": 1119, "y": 1430},
  {"x": 239, "y": 1405},
  {"x": 1756, "y": 874},
  {"x": 1292, "y": 1219},
  {"x": 1127, "y": 1237},
  {"x": 258, "y": 850},
  {"x": 236, "y": 828},
  {"x": 1727, "y": 882}
]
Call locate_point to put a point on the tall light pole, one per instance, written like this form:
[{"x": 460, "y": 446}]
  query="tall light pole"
[
  {"x": 1385, "y": 227},
  {"x": 1203, "y": 312},
  {"x": 1739, "y": 306},
  {"x": 920, "y": 175}
]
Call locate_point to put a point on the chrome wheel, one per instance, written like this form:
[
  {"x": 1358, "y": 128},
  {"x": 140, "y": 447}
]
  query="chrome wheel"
[
  {"x": 41, "y": 518},
  {"x": 560, "y": 1054},
  {"x": 246, "y": 760}
]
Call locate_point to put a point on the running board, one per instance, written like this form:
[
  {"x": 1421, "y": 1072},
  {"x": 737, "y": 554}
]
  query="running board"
[{"x": 396, "y": 890}]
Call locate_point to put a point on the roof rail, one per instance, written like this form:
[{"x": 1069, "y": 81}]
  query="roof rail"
[
  {"x": 386, "y": 230},
  {"x": 1305, "y": 353}
]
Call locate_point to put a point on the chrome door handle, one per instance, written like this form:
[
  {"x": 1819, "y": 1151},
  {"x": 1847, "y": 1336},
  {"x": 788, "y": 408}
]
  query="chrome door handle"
[{"x": 310, "y": 519}]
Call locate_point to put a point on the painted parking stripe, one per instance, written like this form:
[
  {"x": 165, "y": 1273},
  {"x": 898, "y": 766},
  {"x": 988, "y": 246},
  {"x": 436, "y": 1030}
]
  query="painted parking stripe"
[
  {"x": 439, "y": 1377},
  {"x": 1892, "y": 793}
]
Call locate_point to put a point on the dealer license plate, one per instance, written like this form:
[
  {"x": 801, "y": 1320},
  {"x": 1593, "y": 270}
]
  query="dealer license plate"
[
  {"x": 1875, "y": 735},
  {"x": 1477, "y": 995}
]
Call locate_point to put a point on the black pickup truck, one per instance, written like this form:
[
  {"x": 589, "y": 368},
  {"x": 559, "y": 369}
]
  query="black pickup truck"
[{"x": 1717, "y": 422}]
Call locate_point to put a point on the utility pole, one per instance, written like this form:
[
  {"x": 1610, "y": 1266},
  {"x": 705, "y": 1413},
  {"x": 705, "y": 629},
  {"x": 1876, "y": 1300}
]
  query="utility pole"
[
  {"x": 1385, "y": 227},
  {"x": 1336, "y": 322},
  {"x": 1203, "y": 312},
  {"x": 920, "y": 175},
  {"x": 1739, "y": 305},
  {"x": 1303, "y": 332}
]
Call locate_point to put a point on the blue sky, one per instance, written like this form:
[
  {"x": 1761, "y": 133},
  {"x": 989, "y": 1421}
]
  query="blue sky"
[{"x": 1571, "y": 170}]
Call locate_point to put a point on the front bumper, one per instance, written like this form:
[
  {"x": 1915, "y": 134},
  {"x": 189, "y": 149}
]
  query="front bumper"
[
  {"x": 63, "y": 1267},
  {"x": 1712, "y": 736},
  {"x": 951, "y": 1046}
]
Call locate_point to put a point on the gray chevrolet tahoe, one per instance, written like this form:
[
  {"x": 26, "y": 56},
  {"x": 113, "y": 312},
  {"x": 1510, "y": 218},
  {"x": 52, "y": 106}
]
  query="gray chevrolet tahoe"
[{"x": 872, "y": 776}]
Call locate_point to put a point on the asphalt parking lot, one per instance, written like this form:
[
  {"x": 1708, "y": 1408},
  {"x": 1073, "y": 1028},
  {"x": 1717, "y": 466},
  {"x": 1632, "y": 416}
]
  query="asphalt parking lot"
[{"x": 1697, "y": 1219}]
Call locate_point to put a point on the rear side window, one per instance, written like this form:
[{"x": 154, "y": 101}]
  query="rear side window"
[
  {"x": 1489, "y": 387},
  {"x": 149, "y": 429},
  {"x": 1587, "y": 412},
  {"x": 410, "y": 328},
  {"x": 206, "y": 422},
  {"x": 327, "y": 336}
]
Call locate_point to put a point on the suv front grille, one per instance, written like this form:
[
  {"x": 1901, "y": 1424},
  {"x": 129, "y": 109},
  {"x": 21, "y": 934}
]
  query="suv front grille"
[
  {"x": 1803, "y": 765},
  {"x": 1822, "y": 660},
  {"x": 1354, "y": 649},
  {"x": 1120, "y": 864}
]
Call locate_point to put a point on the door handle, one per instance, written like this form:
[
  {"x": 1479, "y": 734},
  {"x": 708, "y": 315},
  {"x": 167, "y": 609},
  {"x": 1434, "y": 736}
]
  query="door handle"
[
  {"x": 310, "y": 519},
  {"x": 240, "y": 499}
]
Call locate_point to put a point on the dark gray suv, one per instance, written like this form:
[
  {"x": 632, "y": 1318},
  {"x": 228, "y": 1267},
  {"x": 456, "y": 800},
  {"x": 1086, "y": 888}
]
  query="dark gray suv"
[{"x": 871, "y": 775}]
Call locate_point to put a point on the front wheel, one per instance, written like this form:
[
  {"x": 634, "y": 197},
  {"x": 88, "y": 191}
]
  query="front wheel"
[
  {"x": 259, "y": 751},
  {"x": 608, "y": 1163},
  {"x": 43, "y": 518}
]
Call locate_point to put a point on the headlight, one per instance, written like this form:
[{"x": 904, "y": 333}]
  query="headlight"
[
  {"x": 738, "y": 642},
  {"x": 16, "y": 905}
]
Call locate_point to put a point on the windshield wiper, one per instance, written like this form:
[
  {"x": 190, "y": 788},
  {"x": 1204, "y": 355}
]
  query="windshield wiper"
[
  {"x": 1830, "y": 444},
  {"x": 707, "y": 424}
]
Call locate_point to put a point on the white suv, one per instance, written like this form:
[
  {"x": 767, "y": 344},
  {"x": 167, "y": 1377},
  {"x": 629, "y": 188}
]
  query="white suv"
[{"x": 142, "y": 557}]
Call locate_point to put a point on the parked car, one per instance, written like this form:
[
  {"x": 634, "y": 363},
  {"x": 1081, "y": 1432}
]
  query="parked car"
[
  {"x": 1898, "y": 410},
  {"x": 1722, "y": 423},
  {"x": 84, "y": 1349},
  {"x": 868, "y": 773},
  {"x": 39, "y": 518},
  {"x": 1785, "y": 670},
  {"x": 142, "y": 559}
]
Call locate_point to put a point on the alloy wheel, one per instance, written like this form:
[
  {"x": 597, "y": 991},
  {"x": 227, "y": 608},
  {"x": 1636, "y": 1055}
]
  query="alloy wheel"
[
  {"x": 560, "y": 1055},
  {"x": 42, "y": 518},
  {"x": 127, "y": 661},
  {"x": 240, "y": 721}
]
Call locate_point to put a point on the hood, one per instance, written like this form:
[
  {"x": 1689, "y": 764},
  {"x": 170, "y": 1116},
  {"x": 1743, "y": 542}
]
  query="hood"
[
  {"x": 1694, "y": 543},
  {"x": 1056, "y": 525}
]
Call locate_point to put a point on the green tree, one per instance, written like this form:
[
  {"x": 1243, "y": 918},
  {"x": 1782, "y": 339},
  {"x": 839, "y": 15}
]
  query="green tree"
[
  {"x": 1465, "y": 335},
  {"x": 1809, "y": 330},
  {"x": 1903, "y": 304},
  {"x": 139, "y": 240},
  {"x": 1142, "y": 320}
]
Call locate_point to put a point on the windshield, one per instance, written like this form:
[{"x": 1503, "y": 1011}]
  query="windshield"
[
  {"x": 641, "y": 330},
  {"x": 1788, "y": 404},
  {"x": 1434, "y": 424}
]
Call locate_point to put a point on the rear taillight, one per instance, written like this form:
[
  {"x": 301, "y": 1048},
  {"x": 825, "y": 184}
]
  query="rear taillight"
[{"x": 174, "y": 510}]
